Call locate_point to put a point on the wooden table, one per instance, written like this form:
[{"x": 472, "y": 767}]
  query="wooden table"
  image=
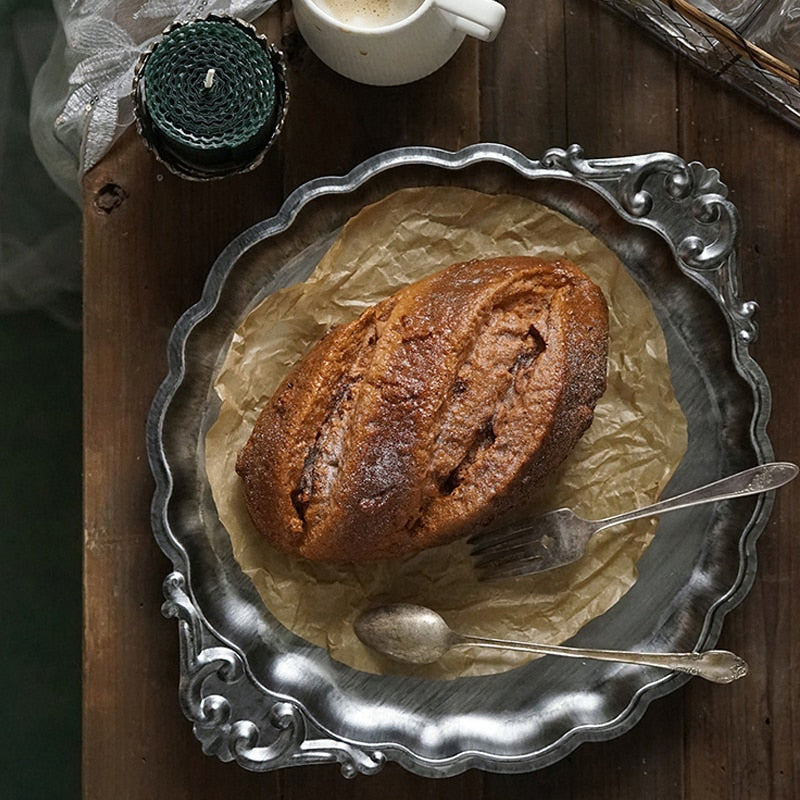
[{"x": 562, "y": 71}]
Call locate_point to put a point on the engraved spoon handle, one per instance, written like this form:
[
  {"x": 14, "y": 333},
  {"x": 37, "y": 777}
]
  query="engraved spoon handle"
[
  {"x": 719, "y": 666},
  {"x": 751, "y": 481}
]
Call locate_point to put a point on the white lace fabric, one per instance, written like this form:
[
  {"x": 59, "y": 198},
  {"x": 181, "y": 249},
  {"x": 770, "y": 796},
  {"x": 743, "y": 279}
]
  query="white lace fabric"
[{"x": 81, "y": 100}]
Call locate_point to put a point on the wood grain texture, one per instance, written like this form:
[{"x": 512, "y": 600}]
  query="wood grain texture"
[
  {"x": 560, "y": 72},
  {"x": 757, "y": 757}
]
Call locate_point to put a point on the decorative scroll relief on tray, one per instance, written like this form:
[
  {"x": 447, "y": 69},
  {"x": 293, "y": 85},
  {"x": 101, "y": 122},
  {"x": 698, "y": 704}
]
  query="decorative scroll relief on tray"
[
  {"x": 211, "y": 673},
  {"x": 665, "y": 192}
]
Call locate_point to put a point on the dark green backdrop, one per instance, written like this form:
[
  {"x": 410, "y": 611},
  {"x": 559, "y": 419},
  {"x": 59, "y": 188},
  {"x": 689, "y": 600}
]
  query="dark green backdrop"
[{"x": 40, "y": 441}]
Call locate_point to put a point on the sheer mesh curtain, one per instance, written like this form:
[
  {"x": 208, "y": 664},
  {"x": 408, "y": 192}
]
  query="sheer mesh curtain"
[
  {"x": 66, "y": 68},
  {"x": 39, "y": 225}
]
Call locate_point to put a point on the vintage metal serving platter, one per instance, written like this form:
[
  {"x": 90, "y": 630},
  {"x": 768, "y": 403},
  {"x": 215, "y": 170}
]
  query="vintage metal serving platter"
[{"x": 258, "y": 694}]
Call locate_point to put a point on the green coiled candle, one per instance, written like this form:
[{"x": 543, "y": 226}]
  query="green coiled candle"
[{"x": 210, "y": 97}]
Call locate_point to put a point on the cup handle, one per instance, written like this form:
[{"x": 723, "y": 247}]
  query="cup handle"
[{"x": 481, "y": 19}]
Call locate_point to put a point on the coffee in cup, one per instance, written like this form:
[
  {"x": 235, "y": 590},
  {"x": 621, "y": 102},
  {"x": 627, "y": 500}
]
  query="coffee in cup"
[
  {"x": 369, "y": 13},
  {"x": 391, "y": 42}
]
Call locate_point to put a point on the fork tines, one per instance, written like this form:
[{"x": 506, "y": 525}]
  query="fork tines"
[{"x": 505, "y": 553}]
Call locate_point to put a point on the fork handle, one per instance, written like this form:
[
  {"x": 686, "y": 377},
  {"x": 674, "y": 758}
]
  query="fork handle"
[
  {"x": 719, "y": 666},
  {"x": 758, "y": 479}
]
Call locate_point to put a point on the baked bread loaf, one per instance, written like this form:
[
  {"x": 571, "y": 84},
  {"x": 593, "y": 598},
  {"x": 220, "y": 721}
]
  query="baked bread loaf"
[{"x": 431, "y": 413}]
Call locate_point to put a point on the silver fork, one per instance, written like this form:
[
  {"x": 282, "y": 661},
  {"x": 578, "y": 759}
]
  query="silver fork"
[{"x": 560, "y": 537}]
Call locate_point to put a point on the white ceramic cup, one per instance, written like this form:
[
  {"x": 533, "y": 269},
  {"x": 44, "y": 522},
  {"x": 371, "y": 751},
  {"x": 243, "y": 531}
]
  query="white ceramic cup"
[{"x": 402, "y": 51}]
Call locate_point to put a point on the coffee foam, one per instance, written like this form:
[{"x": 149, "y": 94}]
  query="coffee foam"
[{"x": 369, "y": 13}]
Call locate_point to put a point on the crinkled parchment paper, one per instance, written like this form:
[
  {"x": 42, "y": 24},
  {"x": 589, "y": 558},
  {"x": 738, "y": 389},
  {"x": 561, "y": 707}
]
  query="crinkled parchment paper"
[{"x": 635, "y": 443}]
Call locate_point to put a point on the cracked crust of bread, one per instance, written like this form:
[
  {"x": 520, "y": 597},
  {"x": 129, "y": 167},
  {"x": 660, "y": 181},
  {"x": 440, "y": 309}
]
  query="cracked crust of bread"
[{"x": 431, "y": 413}]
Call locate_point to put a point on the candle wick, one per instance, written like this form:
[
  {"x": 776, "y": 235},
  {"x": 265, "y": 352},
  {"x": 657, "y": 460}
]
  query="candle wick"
[{"x": 209, "y": 80}]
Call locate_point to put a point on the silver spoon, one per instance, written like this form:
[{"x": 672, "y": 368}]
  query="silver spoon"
[{"x": 418, "y": 635}]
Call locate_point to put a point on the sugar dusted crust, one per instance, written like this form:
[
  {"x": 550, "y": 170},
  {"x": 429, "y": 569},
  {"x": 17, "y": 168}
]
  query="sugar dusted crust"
[{"x": 431, "y": 413}]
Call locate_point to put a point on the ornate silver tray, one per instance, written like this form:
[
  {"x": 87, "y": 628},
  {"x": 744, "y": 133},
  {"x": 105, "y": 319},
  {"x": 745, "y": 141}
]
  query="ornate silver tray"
[{"x": 261, "y": 696}]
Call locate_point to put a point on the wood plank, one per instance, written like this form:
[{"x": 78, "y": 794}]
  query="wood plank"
[
  {"x": 758, "y": 756},
  {"x": 391, "y": 782},
  {"x": 147, "y": 258},
  {"x": 621, "y": 87},
  {"x": 524, "y": 69}
]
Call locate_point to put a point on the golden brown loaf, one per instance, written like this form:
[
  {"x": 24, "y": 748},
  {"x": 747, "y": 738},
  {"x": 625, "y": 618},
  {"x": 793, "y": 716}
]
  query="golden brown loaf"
[{"x": 431, "y": 413}]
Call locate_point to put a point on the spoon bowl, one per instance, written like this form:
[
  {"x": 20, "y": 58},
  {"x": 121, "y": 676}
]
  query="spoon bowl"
[{"x": 407, "y": 633}]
